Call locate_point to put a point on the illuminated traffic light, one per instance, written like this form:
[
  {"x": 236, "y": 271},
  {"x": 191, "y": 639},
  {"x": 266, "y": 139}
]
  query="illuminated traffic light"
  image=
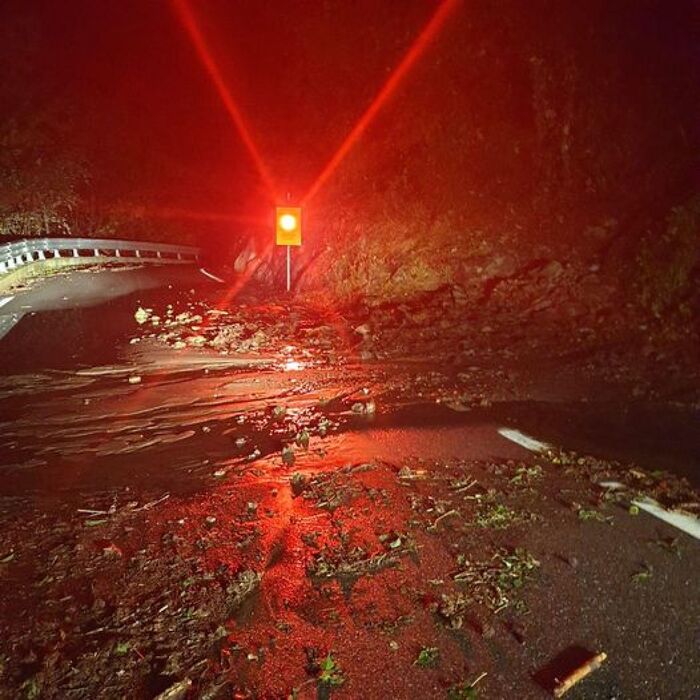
[{"x": 288, "y": 226}]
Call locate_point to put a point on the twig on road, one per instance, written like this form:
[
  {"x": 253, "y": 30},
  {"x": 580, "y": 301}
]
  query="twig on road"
[
  {"x": 433, "y": 527},
  {"x": 150, "y": 505}
]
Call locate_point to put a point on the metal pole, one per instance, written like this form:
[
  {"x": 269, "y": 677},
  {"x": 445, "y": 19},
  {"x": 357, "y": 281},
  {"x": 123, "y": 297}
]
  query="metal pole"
[{"x": 289, "y": 267}]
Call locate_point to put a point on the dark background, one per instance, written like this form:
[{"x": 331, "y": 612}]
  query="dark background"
[
  {"x": 142, "y": 110},
  {"x": 545, "y": 118}
]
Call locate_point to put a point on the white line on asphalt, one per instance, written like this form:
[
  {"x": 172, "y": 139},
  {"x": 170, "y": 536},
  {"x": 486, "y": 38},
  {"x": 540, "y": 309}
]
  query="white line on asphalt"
[
  {"x": 5, "y": 300},
  {"x": 214, "y": 277},
  {"x": 683, "y": 521},
  {"x": 529, "y": 443},
  {"x": 8, "y": 322},
  {"x": 688, "y": 523}
]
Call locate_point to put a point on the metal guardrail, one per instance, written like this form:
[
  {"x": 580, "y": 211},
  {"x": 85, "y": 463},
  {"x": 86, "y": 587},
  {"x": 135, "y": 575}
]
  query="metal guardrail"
[{"x": 33, "y": 250}]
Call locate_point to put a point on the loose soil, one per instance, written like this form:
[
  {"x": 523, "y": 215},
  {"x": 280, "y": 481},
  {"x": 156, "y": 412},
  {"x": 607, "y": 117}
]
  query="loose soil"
[{"x": 216, "y": 514}]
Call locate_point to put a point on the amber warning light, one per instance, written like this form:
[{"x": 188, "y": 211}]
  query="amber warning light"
[
  {"x": 288, "y": 222},
  {"x": 288, "y": 226},
  {"x": 288, "y": 232}
]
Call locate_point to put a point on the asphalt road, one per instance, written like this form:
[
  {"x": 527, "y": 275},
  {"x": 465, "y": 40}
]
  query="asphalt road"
[
  {"x": 67, "y": 290},
  {"x": 85, "y": 318},
  {"x": 96, "y": 415}
]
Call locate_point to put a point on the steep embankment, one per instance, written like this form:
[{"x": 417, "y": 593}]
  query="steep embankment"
[{"x": 534, "y": 140}]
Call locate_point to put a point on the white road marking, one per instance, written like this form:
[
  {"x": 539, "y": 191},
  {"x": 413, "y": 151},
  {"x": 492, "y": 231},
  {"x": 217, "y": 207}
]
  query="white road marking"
[
  {"x": 5, "y": 300},
  {"x": 529, "y": 443},
  {"x": 213, "y": 277},
  {"x": 8, "y": 322},
  {"x": 683, "y": 521}
]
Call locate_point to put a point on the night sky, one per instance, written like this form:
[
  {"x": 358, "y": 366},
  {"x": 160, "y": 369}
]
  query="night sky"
[
  {"x": 138, "y": 103},
  {"x": 144, "y": 110}
]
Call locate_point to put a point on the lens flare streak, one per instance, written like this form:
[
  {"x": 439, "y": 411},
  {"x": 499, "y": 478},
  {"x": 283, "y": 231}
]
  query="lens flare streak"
[
  {"x": 414, "y": 52},
  {"x": 189, "y": 22}
]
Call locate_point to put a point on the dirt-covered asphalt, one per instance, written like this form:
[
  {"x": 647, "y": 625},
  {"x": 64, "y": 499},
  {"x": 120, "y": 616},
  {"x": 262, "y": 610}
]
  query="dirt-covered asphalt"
[{"x": 262, "y": 498}]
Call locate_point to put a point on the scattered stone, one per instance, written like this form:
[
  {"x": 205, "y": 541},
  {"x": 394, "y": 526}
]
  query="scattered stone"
[
  {"x": 7, "y": 557},
  {"x": 302, "y": 439},
  {"x": 488, "y": 631},
  {"x": 178, "y": 691},
  {"x": 111, "y": 550},
  {"x": 552, "y": 271},
  {"x": 197, "y": 341},
  {"x": 142, "y": 315},
  {"x": 298, "y": 483},
  {"x": 366, "y": 408}
]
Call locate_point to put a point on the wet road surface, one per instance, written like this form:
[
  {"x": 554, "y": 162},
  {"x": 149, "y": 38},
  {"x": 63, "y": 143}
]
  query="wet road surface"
[{"x": 349, "y": 479}]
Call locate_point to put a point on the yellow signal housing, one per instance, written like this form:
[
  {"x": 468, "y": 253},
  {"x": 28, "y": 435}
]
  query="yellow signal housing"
[{"x": 288, "y": 226}]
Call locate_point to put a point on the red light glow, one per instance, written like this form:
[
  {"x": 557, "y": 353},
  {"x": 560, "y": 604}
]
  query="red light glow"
[
  {"x": 139, "y": 211},
  {"x": 414, "y": 52},
  {"x": 189, "y": 22}
]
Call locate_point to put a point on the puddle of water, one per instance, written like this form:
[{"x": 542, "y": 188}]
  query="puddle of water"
[{"x": 96, "y": 327}]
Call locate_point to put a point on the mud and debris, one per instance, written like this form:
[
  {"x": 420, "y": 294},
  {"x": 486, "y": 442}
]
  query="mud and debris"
[{"x": 307, "y": 522}]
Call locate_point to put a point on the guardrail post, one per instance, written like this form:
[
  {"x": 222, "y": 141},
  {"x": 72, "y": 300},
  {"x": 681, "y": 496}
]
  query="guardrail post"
[
  {"x": 117, "y": 253},
  {"x": 96, "y": 253},
  {"x": 3, "y": 268},
  {"x": 138, "y": 253},
  {"x": 75, "y": 253},
  {"x": 19, "y": 260},
  {"x": 158, "y": 255},
  {"x": 28, "y": 257},
  {"x": 40, "y": 255},
  {"x": 56, "y": 254}
]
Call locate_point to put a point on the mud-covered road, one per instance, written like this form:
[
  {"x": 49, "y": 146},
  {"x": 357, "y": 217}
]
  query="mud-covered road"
[{"x": 217, "y": 496}]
